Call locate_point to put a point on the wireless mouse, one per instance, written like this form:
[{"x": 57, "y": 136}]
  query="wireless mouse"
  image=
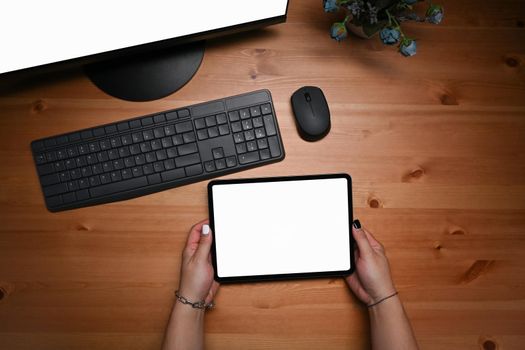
[{"x": 311, "y": 112}]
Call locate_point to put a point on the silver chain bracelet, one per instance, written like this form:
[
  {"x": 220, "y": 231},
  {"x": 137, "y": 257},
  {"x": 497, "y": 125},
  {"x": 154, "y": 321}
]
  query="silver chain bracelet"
[{"x": 196, "y": 305}]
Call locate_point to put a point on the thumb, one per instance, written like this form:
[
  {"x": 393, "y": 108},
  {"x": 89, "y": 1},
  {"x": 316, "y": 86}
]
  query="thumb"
[
  {"x": 363, "y": 244},
  {"x": 204, "y": 247}
]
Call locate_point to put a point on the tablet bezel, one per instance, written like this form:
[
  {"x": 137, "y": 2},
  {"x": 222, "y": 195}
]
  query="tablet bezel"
[{"x": 287, "y": 276}]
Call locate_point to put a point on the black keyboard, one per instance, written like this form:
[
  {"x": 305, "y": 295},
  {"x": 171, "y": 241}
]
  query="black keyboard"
[{"x": 152, "y": 153}]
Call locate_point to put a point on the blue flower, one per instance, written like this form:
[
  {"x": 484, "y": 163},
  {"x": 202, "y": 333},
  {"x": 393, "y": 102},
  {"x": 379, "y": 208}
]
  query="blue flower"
[
  {"x": 435, "y": 14},
  {"x": 330, "y": 5},
  {"x": 338, "y": 31},
  {"x": 408, "y": 47},
  {"x": 389, "y": 36}
]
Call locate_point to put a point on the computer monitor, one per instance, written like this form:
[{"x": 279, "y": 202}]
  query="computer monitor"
[{"x": 134, "y": 50}]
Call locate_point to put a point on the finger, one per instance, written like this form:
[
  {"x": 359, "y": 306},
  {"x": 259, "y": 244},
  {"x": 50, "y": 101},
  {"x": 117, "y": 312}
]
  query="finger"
[
  {"x": 362, "y": 241},
  {"x": 373, "y": 241},
  {"x": 203, "y": 250},
  {"x": 195, "y": 235}
]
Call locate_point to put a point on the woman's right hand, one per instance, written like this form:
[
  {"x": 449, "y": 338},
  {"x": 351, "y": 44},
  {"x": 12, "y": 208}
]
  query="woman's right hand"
[{"x": 371, "y": 280}]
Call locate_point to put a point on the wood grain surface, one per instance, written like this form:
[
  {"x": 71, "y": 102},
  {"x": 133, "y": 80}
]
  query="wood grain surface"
[{"x": 435, "y": 145}]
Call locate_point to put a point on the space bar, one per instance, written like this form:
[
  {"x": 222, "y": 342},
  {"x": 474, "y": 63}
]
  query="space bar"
[{"x": 119, "y": 186}]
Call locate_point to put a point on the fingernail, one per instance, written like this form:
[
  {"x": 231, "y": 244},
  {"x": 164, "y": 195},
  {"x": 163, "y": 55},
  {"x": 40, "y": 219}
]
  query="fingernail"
[
  {"x": 357, "y": 224},
  {"x": 205, "y": 229}
]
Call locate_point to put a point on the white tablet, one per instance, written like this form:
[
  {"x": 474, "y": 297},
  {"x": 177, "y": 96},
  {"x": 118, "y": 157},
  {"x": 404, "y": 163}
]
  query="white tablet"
[{"x": 281, "y": 227}]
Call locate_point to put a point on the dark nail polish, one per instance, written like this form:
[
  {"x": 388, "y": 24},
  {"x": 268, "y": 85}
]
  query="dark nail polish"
[{"x": 357, "y": 224}]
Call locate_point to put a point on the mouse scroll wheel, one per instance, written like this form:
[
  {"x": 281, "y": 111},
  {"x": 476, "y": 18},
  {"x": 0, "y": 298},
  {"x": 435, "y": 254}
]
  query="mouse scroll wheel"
[{"x": 308, "y": 97}]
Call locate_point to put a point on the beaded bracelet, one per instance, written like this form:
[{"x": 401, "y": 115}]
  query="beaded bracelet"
[{"x": 385, "y": 298}]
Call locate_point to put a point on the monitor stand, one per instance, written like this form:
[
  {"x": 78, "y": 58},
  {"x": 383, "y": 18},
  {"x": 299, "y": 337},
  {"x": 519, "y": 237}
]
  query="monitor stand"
[{"x": 150, "y": 76}]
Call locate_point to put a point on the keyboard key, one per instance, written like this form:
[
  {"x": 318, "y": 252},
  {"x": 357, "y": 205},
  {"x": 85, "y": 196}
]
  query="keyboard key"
[
  {"x": 45, "y": 169},
  {"x": 134, "y": 149},
  {"x": 265, "y": 154},
  {"x": 231, "y": 161},
  {"x": 187, "y": 160},
  {"x": 213, "y": 132},
  {"x": 266, "y": 108},
  {"x": 269, "y": 125},
  {"x": 115, "y": 176},
  {"x": 59, "y": 166},
  {"x": 115, "y": 142},
  {"x": 217, "y": 153},
  {"x": 249, "y": 135},
  {"x": 148, "y": 135},
  {"x": 75, "y": 174},
  {"x": 126, "y": 174},
  {"x": 137, "y": 171},
  {"x": 169, "y": 130},
  {"x": 259, "y": 133},
  {"x": 188, "y": 137},
  {"x": 146, "y": 121},
  {"x": 107, "y": 166},
  {"x": 148, "y": 169},
  {"x": 241, "y": 148},
  {"x": 123, "y": 126},
  {"x": 172, "y": 152},
  {"x": 112, "y": 154},
  {"x": 224, "y": 129},
  {"x": 200, "y": 123},
  {"x": 120, "y": 186},
  {"x": 202, "y": 134},
  {"x": 257, "y": 122},
  {"x": 161, "y": 155},
  {"x": 255, "y": 111},
  {"x": 247, "y": 124},
  {"x": 238, "y": 137},
  {"x": 118, "y": 164},
  {"x": 69, "y": 198},
  {"x": 262, "y": 143},
  {"x": 151, "y": 157},
  {"x": 220, "y": 163},
  {"x": 61, "y": 154},
  {"x": 167, "y": 142},
  {"x": 94, "y": 181},
  {"x": 172, "y": 115},
  {"x": 137, "y": 137},
  {"x": 50, "y": 179},
  {"x": 274, "y": 146},
  {"x": 156, "y": 145},
  {"x": 159, "y": 118},
  {"x": 154, "y": 179},
  {"x": 123, "y": 152},
  {"x": 102, "y": 156},
  {"x": 249, "y": 157},
  {"x": 126, "y": 140},
  {"x": 90, "y": 158},
  {"x": 187, "y": 149},
  {"x": 99, "y": 132},
  {"x": 64, "y": 176},
  {"x": 86, "y": 134},
  {"x": 236, "y": 127},
  {"x": 86, "y": 171},
  {"x": 109, "y": 129},
  {"x": 134, "y": 124},
  {"x": 169, "y": 164},
  {"x": 53, "y": 190},
  {"x": 177, "y": 140},
  {"x": 194, "y": 170},
  {"x": 211, "y": 121},
  {"x": 183, "y": 127},
  {"x": 83, "y": 183},
  {"x": 54, "y": 201},
  {"x": 234, "y": 116},
  {"x": 183, "y": 113},
  {"x": 172, "y": 174},
  {"x": 50, "y": 142},
  {"x": 129, "y": 162},
  {"x": 209, "y": 166},
  {"x": 251, "y": 146},
  {"x": 105, "y": 178},
  {"x": 245, "y": 113},
  {"x": 51, "y": 156},
  {"x": 144, "y": 147},
  {"x": 40, "y": 158},
  {"x": 221, "y": 118},
  {"x": 82, "y": 195},
  {"x": 159, "y": 133},
  {"x": 140, "y": 159}
]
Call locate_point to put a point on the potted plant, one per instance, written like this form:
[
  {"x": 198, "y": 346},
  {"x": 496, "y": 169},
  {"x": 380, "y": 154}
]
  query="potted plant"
[{"x": 367, "y": 18}]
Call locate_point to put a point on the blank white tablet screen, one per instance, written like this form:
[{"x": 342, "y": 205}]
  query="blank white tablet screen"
[{"x": 281, "y": 227}]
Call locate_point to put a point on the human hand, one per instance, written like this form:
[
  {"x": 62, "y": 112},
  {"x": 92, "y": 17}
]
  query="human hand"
[
  {"x": 371, "y": 280},
  {"x": 196, "y": 282}
]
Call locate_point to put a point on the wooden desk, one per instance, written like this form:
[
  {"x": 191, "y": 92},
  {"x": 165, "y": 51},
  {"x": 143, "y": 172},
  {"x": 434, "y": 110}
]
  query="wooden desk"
[{"x": 435, "y": 145}]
